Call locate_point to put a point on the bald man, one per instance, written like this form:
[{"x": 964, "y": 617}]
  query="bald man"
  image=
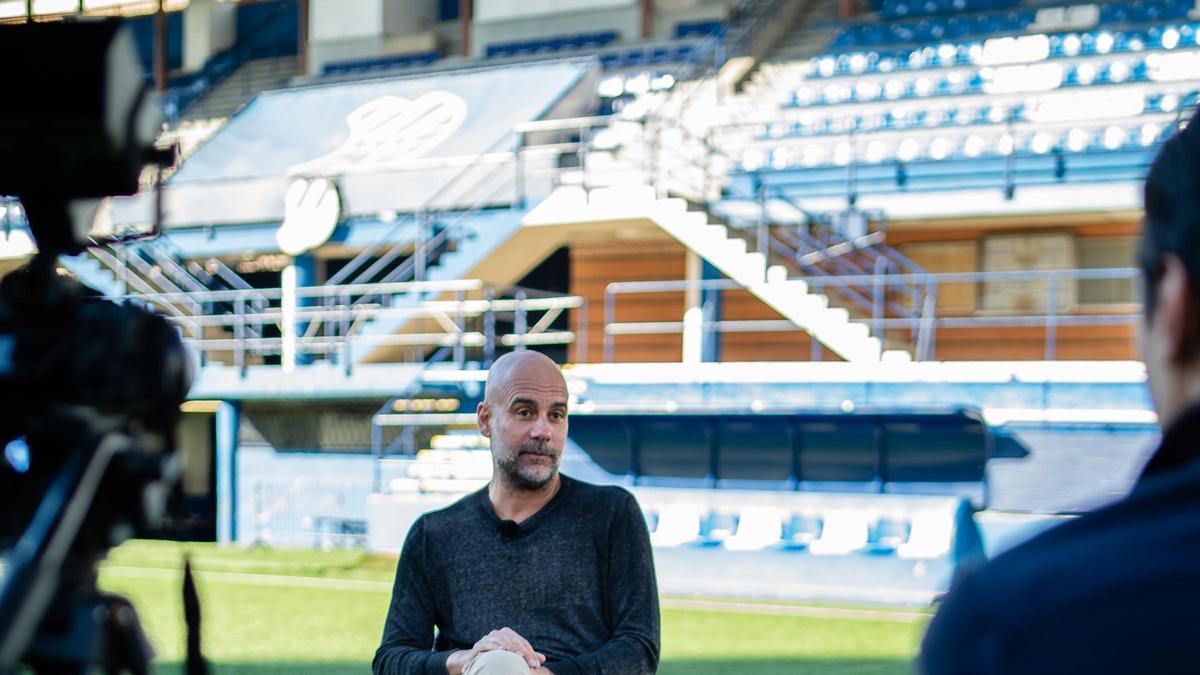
[{"x": 537, "y": 573}]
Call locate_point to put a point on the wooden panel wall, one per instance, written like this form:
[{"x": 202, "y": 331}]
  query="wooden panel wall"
[
  {"x": 593, "y": 267},
  {"x": 1024, "y": 343},
  {"x": 792, "y": 345},
  {"x": 955, "y": 249}
]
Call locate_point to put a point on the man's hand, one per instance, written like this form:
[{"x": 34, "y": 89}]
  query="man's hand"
[
  {"x": 505, "y": 639},
  {"x": 541, "y": 671}
]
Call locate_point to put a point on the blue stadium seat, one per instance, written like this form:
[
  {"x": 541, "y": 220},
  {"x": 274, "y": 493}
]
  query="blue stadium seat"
[
  {"x": 1114, "y": 13},
  {"x": 898, "y": 9},
  {"x": 702, "y": 28},
  {"x": 684, "y": 52},
  {"x": 800, "y": 530},
  {"x": 885, "y": 535},
  {"x": 716, "y": 527},
  {"x": 397, "y": 62},
  {"x": 551, "y": 44}
]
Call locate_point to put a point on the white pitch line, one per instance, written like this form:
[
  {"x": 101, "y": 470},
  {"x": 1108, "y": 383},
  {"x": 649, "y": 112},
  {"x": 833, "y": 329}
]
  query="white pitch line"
[
  {"x": 284, "y": 580},
  {"x": 794, "y": 610},
  {"x": 254, "y": 579}
]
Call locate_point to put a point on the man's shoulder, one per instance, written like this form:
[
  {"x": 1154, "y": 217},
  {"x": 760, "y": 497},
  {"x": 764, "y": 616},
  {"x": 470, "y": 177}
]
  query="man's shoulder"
[
  {"x": 1077, "y": 582},
  {"x": 1143, "y": 529}
]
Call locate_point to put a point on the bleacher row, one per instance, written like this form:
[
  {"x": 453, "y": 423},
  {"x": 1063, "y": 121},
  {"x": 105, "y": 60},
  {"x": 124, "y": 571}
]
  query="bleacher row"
[
  {"x": 996, "y": 50},
  {"x": 681, "y": 48},
  {"x": 395, "y": 62},
  {"x": 1016, "y": 79},
  {"x": 923, "y": 534},
  {"x": 1074, "y": 102},
  {"x": 1110, "y": 118},
  {"x": 616, "y": 58},
  {"x": 983, "y": 22},
  {"x": 551, "y": 44},
  {"x": 1128, "y": 104},
  {"x": 896, "y": 9},
  {"x": 460, "y": 463},
  {"x": 560, "y": 43},
  {"x": 982, "y": 144}
]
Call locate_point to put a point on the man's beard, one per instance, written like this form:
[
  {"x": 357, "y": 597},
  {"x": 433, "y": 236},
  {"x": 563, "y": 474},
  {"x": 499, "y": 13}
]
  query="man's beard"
[{"x": 532, "y": 478}]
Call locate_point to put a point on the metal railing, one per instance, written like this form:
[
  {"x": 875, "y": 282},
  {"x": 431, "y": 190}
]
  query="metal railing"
[
  {"x": 1054, "y": 294},
  {"x": 818, "y": 247},
  {"x": 731, "y": 38},
  {"x": 694, "y": 168},
  {"x": 317, "y": 512},
  {"x": 331, "y": 322},
  {"x": 442, "y": 218},
  {"x": 157, "y": 267}
]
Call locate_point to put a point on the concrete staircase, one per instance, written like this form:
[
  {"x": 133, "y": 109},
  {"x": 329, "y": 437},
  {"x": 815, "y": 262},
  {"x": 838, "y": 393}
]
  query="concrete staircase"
[
  {"x": 791, "y": 298},
  {"x": 240, "y": 86}
]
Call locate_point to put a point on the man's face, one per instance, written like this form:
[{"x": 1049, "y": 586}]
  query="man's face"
[{"x": 526, "y": 421}]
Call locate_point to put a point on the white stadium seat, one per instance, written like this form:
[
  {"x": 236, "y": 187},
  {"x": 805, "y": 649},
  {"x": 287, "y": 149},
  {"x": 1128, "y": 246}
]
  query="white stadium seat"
[
  {"x": 677, "y": 524},
  {"x": 758, "y": 528},
  {"x": 931, "y": 537},
  {"x": 844, "y": 532}
]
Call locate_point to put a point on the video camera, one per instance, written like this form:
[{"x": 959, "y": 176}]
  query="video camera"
[{"x": 90, "y": 388}]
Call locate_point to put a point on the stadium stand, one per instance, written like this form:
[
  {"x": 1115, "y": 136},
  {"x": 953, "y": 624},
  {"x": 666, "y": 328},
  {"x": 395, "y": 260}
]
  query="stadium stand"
[
  {"x": 820, "y": 309},
  {"x": 262, "y": 57},
  {"x": 584, "y": 41}
]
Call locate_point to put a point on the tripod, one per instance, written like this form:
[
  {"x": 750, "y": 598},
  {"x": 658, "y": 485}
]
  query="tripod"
[{"x": 100, "y": 475}]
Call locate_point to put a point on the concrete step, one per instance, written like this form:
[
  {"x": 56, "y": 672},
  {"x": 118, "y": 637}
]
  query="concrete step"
[
  {"x": 896, "y": 356},
  {"x": 839, "y": 315},
  {"x": 755, "y": 264}
]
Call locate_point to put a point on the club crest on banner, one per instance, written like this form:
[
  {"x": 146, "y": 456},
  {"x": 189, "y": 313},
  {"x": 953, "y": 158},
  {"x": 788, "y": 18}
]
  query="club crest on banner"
[{"x": 384, "y": 133}]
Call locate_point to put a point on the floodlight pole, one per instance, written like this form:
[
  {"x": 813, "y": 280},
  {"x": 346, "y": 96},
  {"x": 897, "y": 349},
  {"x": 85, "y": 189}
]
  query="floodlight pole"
[
  {"x": 647, "y": 19},
  {"x": 465, "y": 8},
  {"x": 302, "y": 38},
  {"x": 160, "y": 49}
]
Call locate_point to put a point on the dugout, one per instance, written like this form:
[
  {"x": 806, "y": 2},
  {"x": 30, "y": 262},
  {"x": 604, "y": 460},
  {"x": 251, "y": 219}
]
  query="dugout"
[{"x": 916, "y": 451}]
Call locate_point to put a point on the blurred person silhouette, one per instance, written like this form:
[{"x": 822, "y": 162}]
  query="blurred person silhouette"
[
  {"x": 535, "y": 573},
  {"x": 1114, "y": 591}
]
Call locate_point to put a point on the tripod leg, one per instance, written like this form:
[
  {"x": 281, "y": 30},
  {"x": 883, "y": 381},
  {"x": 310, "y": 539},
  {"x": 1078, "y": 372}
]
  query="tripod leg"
[
  {"x": 128, "y": 650},
  {"x": 191, "y": 616}
]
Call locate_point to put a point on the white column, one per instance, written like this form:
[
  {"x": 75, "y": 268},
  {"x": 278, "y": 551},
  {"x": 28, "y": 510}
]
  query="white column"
[
  {"x": 227, "y": 419},
  {"x": 287, "y": 287},
  {"x": 208, "y": 27},
  {"x": 693, "y": 313}
]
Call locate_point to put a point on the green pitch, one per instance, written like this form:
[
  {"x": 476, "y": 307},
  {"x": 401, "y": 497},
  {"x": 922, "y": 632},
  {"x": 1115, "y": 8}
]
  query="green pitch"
[{"x": 283, "y": 611}]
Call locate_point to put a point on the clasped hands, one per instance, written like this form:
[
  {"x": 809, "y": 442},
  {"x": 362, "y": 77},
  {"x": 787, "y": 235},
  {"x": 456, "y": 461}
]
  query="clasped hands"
[{"x": 505, "y": 639}]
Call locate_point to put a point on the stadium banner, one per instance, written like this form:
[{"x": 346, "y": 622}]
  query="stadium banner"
[{"x": 360, "y": 148}]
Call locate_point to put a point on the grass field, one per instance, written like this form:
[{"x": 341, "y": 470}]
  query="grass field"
[{"x": 284, "y": 611}]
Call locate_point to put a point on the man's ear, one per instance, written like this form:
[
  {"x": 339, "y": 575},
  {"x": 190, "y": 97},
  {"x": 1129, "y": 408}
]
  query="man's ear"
[
  {"x": 483, "y": 417},
  {"x": 1174, "y": 315}
]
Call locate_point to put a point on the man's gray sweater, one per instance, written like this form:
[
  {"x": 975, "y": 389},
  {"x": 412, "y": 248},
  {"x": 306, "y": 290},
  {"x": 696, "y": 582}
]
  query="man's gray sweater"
[{"x": 576, "y": 580}]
